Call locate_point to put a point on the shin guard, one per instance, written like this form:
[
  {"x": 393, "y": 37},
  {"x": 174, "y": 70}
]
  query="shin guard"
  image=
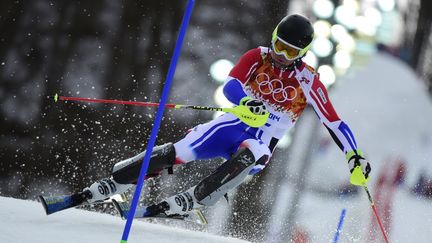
[
  {"x": 228, "y": 176},
  {"x": 127, "y": 171}
]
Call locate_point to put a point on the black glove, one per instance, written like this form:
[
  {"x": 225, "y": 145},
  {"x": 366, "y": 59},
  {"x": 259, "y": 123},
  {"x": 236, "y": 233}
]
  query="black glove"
[{"x": 255, "y": 106}]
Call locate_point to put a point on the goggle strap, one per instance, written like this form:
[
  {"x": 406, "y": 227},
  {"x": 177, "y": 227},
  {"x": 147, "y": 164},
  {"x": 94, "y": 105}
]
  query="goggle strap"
[{"x": 288, "y": 44}]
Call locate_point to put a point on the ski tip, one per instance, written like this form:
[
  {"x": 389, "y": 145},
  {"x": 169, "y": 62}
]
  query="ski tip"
[{"x": 42, "y": 201}]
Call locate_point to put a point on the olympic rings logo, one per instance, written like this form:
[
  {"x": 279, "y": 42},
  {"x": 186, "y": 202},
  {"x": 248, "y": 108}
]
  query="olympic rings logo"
[{"x": 276, "y": 88}]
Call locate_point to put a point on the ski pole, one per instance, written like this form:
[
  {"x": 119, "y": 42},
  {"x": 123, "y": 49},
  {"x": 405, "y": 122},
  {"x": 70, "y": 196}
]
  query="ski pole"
[
  {"x": 157, "y": 120},
  {"x": 339, "y": 227},
  {"x": 357, "y": 178},
  {"x": 242, "y": 112},
  {"x": 376, "y": 213}
]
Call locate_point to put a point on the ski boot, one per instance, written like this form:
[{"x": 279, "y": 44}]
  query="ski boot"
[{"x": 180, "y": 204}]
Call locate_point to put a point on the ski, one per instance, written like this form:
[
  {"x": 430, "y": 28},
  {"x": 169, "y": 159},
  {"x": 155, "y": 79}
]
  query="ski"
[
  {"x": 53, "y": 204},
  {"x": 123, "y": 208}
]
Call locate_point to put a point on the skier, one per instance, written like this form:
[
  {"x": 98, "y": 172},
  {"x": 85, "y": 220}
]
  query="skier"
[{"x": 266, "y": 79}]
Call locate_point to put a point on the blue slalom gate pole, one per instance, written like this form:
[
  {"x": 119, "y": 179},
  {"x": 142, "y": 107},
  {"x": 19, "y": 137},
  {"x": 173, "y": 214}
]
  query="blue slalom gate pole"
[
  {"x": 339, "y": 228},
  {"x": 156, "y": 125}
]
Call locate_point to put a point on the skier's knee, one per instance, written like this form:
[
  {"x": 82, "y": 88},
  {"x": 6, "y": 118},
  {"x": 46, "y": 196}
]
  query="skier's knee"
[
  {"x": 260, "y": 151},
  {"x": 127, "y": 171},
  {"x": 258, "y": 148},
  {"x": 228, "y": 176}
]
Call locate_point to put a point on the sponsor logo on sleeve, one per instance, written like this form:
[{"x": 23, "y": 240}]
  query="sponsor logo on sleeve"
[{"x": 322, "y": 96}]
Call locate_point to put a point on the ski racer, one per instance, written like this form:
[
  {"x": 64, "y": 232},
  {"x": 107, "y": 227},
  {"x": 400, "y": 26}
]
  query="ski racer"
[{"x": 266, "y": 79}]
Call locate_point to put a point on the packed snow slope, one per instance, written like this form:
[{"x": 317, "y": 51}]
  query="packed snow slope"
[{"x": 26, "y": 222}]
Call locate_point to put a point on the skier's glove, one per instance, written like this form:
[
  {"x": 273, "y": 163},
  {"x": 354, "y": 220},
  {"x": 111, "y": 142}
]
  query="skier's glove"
[
  {"x": 359, "y": 168},
  {"x": 255, "y": 106}
]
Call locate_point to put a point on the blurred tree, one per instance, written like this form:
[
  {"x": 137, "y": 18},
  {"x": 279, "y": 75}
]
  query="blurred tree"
[
  {"x": 84, "y": 47},
  {"x": 421, "y": 43},
  {"x": 423, "y": 31}
]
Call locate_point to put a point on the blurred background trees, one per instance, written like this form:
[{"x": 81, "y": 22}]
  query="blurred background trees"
[
  {"x": 115, "y": 50},
  {"x": 119, "y": 50},
  {"x": 421, "y": 43}
]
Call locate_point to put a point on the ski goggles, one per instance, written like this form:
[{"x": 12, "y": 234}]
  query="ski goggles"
[{"x": 290, "y": 52}]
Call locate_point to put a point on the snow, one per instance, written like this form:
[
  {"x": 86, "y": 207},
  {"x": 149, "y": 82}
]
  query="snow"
[{"x": 25, "y": 221}]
